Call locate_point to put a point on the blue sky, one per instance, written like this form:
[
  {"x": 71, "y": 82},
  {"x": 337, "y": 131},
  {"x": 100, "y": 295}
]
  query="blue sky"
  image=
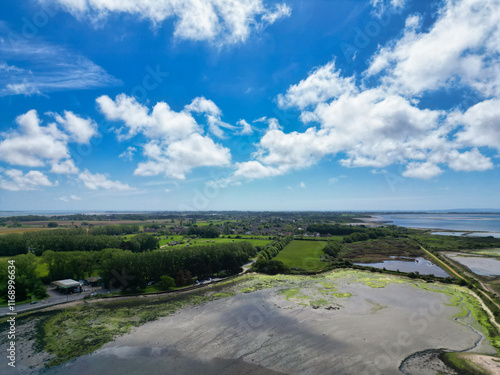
[{"x": 249, "y": 105}]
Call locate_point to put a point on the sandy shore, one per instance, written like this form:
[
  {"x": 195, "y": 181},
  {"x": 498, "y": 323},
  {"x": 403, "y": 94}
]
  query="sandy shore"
[{"x": 271, "y": 332}]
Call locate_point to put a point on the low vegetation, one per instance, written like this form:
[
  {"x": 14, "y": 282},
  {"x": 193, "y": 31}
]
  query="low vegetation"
[{"x": 460, "y": 363}]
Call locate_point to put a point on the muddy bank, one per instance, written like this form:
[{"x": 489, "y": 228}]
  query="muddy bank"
[{"x": 335, "y": 324}]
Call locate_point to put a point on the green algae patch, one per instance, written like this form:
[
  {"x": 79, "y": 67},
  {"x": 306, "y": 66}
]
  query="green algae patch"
[
  {"x": 341, "y": 295},
  {"x": 216, "y": 296},
  {"x": 291, "y": 293},
  {"x": 72, "y": 332},
  {"x": 375, "y": 306}
]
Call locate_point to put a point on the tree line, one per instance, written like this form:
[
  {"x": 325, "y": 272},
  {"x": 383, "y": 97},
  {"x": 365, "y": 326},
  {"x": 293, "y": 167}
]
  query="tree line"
[
  {"x": 131, "y": 271},
  {"x": 70, "y": 240},
  {"x": 265, "y": 262},
  {"x": 204, "y": 231}
]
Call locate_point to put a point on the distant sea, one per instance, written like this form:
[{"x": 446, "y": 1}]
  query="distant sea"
[
  {"x": 458, "y": 222},
  {"x": 45, "y": 213}
]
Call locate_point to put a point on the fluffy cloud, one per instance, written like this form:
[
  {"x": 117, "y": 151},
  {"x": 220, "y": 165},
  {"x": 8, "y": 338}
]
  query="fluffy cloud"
[
  {"x": 179, "y": 157},
  {"x": 80, "y": 129},
  {"x": 177, "y": 143},
  {"x": 246, "y": 128},
  {"x": 32, "y": 144},
  {"x": 220, "y": 21},
  {"x": 161, "y": 123},
  {"x": 253, "y": 169},
  {"x": 425, "y": 170},
  {"x": 461, "y": 48},
  {"x": 100, "y": 181},
  {"x": 64, "y": 167},
  {"x": 35, "y": 145},
  {"x": 469, "y": 161},
  {"x": 212, "y": 113},
  {"x": 481, "y": 124},
  {"x": 16, "y": 180},
  {"x": 322, "y": 84},
  {"x": 379, "y": 120}
]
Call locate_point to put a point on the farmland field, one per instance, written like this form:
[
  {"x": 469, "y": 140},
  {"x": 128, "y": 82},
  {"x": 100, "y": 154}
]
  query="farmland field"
[
  {"x": 254, "y": 240},
  {"x": 303, "y": 254}
]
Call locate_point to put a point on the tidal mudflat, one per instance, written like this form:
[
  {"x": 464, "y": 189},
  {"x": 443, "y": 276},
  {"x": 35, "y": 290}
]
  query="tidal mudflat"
[{"x": 348, "y": 322}]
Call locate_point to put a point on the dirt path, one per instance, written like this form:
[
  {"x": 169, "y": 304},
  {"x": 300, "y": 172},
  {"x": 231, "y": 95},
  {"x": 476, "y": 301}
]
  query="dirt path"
[
  {"x": 439, "y": 261},
  {"x": 486, "y": 308}
]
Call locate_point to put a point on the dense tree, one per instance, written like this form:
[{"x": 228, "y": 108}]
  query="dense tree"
[
  {"x": 204, "y": 231},
  {"x": 133, "y": 270},
  {"x": 271, "y": 267},
  {"x": 26, "y": 279},
  {"x": 166, "y": 282}
]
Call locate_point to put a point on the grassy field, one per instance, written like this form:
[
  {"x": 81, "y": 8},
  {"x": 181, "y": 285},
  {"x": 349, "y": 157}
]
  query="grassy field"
[
  {"x": 303, "y": 255},
  {"x": 454, "y": 243},
  {"x": 489, "y": 252},
  {"x": 254, "y": 240},
  {"x": 460, "y": 363}
]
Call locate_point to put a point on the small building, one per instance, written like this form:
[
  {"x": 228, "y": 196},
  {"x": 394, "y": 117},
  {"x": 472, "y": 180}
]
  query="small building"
[
  {"x": 93, "y": 280},
  {"x": 67, "y": 286}
]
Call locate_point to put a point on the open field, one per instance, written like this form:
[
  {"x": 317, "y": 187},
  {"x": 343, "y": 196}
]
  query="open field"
[
  {"x": 23, "y": 229},
  {"x": 254, "y": 240},
  {"x": 488, "y": 252},
  {"x": 454, "y": 243},
  {"x": 304, "y": 255},
  {"x": 348, "y": 322}
]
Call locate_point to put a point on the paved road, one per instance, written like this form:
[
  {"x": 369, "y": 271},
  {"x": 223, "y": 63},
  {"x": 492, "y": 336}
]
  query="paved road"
[{"x": 54, "y": 298}]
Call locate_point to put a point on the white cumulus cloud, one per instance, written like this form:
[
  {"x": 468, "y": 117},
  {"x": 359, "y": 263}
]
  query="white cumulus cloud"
[
  {"x": 100, "y": 181},
  {"x": 176, "y": 141},
  {"x": 216, "y": 21},
  {"x": 80, "y": 129},
  {"x": 16, "y": 180}
]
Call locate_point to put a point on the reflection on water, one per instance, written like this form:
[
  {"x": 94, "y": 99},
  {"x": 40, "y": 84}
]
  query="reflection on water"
[
  {"x": 479, "y": 265},
  {"x": 449, "y": 233},
  {"x": 420, "y": 265},
  {"x": 474, "y": 234},
  {"x": 471, "y": 222}
]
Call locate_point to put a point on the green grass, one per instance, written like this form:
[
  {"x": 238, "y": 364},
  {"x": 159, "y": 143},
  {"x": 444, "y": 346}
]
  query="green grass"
[
  {"x": 460, "y": 363},
  {"x": 303, "y": 255},
  {"x": 454, "y": 243},
  {"x": 256, "y": 241},
  {"x": 490, "y": 253}
]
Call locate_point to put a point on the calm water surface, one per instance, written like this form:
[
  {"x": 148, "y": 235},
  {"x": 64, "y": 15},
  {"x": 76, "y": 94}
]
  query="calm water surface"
[
  {"x": 471, "y": 222},
  {"x": 420, "y": 265}
]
